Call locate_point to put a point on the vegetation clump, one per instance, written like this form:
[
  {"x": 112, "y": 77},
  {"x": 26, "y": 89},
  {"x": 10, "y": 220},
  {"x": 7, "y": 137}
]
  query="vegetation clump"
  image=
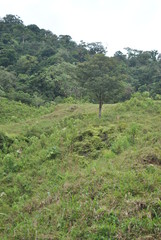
[
  {"x": 151, "y": 156},
  {"x": 90, "y": 142},
  {"x": 5, "y": 141}
]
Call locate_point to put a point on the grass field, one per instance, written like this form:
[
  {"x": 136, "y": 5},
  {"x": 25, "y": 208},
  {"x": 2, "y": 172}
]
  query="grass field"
[{"x": 66, "y": 174}]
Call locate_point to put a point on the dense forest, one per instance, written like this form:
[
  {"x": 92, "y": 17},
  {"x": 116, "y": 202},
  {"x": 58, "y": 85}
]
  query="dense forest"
[{"x": 37, "y": 66}]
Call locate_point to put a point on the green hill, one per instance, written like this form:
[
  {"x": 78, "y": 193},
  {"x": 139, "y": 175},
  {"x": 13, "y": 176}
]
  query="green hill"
[
  {"x": 66, "y": 174},
  {"x": 37, "y": 67}
]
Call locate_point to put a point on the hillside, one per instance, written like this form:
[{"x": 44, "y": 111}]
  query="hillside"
[
  {"x": 66, "y": 174},
  {"x": 37, "y": 67}
]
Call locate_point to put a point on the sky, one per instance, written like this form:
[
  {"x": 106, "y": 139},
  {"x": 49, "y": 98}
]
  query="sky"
[{"x": 116, "y": 23}]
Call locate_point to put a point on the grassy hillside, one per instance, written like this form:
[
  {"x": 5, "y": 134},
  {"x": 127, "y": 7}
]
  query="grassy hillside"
[{"x": 65, "y": 174}]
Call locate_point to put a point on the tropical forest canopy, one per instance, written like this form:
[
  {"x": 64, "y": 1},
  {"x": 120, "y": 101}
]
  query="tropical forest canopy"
[{"x": 37, "y": 66}]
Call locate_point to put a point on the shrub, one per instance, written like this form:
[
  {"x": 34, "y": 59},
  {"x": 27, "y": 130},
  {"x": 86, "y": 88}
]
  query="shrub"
[
  {"x": 53, "y": 152},
  {"x": 5, "y": 141},
  {"x": 121, "y": 144}
]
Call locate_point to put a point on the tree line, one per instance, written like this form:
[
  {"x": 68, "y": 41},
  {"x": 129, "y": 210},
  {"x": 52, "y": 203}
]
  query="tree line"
[{"x": 37, "y": 66}]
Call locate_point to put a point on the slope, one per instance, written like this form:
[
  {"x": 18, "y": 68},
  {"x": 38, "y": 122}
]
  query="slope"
[{"x": 65, "y": 174}]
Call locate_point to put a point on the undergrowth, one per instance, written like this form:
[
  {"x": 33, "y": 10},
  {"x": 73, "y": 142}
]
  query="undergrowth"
[{"x": 65, "y": 174}]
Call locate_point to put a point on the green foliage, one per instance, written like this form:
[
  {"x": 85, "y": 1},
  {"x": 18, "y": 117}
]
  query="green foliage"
[
  {"x": 5, "y": 141},
  {"x": 39, "y": 63},
  {"x": 27, "y": 64},
  {"x": 9, "y": 165},
  {"x": 64, "y": 173},
  {"x": 120, "y": 145},
  {"x": 11, "y": 111},
  {"x": 158, "y": 97},
  {"x": 53, "y": 152},
  {"x": 70, "y": 100},
  {"x": 12, "y": 19},
  {"x": 69, "y": 175},
  {"x": 100, "y": 76},
  {"x": 89, "y": 143},
  {"x": 7, "y": 80},
  {"x": 31, "y": 52}
]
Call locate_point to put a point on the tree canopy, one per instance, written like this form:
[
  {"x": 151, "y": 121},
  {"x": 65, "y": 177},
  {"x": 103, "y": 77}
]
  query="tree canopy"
[
  {"x": 101, "y": 77},
  {"x": 48, "y": 66}
]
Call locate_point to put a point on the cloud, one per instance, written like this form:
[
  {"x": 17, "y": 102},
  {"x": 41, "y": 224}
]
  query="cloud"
[{"x": 117, "y": 23}]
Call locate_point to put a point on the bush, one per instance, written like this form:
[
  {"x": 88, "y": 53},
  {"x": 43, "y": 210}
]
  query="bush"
[
  {"x": 120, "y": 145},
  {"x": 157, "y": 97},
  {"x": 53, "y": 152},
  {"x": 5, "y": 141}
]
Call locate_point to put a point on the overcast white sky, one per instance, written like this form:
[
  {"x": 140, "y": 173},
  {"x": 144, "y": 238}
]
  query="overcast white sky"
[{"x": 115, "y": 23}]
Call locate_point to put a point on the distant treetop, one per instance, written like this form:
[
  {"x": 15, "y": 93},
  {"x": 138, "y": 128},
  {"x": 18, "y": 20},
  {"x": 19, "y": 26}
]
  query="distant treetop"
[{"x": 9, "y": 18}]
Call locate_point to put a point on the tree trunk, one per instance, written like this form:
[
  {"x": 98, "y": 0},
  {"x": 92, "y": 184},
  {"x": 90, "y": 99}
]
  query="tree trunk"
[{"x": 100, "y": 108}]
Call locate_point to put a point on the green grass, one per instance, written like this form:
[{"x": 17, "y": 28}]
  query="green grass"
[{"x": 66, "y": 174}]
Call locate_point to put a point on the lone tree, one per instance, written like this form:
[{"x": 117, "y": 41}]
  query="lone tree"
[{"x": 101, "y": 77}]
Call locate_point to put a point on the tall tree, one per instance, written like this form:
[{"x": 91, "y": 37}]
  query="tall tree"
[
  {"x": 96, "y": 47},
  {"x": 101, "y": 77},
  {"x": 12, "y": 19}
]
